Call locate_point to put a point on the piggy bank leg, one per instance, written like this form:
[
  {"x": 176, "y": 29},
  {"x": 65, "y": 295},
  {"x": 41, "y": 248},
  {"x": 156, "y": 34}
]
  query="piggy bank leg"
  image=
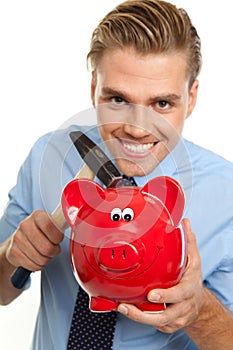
[
  {"x": 151, "y": 307},
  {"x": 98, "y": 304}
]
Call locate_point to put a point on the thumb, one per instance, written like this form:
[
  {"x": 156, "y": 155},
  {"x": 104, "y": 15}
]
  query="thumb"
[{"x": 191, "y": 238}]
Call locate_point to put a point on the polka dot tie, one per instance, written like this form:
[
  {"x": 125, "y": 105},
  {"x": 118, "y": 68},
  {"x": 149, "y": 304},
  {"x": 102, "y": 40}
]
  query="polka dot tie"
[{"x": 90, "y": 330}]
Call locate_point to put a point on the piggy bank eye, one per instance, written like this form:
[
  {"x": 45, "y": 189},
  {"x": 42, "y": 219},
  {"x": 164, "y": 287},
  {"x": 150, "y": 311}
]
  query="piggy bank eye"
[
  {"x": 128, "y": 214},
  {"x": 116, "y": 214}
]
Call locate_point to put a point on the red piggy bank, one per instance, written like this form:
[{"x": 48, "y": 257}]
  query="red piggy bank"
[{"x": 125, "y": 241}]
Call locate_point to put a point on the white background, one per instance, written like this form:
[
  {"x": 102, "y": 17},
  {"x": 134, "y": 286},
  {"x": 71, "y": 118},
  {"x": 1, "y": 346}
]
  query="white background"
[{"x": 44, "y": 81}]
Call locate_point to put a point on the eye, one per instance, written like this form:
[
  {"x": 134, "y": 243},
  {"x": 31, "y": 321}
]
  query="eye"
[
  {"x": 116, "y": 214},
  {"x": 163, "y": 104},
  {"x": 117, "y": 100},
  {"x": 128, "y": 214}
]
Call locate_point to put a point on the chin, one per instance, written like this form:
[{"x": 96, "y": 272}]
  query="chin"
[{"x": 130, "y": 168}]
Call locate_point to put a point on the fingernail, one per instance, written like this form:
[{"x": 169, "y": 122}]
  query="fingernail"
[
  {"x": 154, "y": 297},
  {"x": 123, "y": 309}
]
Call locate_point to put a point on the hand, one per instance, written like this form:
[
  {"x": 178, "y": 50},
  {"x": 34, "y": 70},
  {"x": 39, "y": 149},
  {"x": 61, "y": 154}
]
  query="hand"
[
  {"x": 184, "y": 299},
  {"x": 35, "y": 242}
]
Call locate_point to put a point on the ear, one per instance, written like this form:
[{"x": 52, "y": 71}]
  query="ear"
[
  {"x": 170, "y": 192},
  {"x": 192, "y": 97},
  {"x": 78, "y": 193},
  {"x": 93, "y": 87}
]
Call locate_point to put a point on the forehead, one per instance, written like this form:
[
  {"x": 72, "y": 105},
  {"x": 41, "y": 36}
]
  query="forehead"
[
  {"x": 157, "y": 66},
  {"x": 128, "y": 69}
]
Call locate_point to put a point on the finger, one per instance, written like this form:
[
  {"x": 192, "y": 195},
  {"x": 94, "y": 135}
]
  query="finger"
[
  {"x": 40, "y": 247},
  {"x": 187, "y": 225},
  {"x": 22, "y": 253},
  {"x": 45, "y": 223},
  {"x": 137, "y": 315},
  {"x": 33, "y": 261},
  {"x": 172, "y": 295},
  {"x": 33, "y": 241},
  {"x": 167, "y": 321},
  {"x": 193, "y": 256}
]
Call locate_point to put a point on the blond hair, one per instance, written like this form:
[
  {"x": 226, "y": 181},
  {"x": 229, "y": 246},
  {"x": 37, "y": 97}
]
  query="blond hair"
[{"x": 148, "y": 26}]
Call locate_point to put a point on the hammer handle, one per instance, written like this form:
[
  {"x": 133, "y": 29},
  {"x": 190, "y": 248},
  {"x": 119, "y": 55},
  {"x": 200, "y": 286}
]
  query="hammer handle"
[{"x": 21, "y": 275}]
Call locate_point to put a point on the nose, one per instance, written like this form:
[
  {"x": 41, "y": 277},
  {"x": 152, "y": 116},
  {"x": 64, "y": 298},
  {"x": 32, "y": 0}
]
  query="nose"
[
  {"x": 138, "y": 123},
  {"x": 119, "y": 255},
  {"x": 123, "y": 258},
  {"x": 135, "y": 131}
]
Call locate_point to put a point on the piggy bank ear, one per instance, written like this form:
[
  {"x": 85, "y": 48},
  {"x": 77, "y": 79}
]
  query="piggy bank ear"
[
  {"x": 170, "y": 192},
  {"x": 78, "y": 193}
]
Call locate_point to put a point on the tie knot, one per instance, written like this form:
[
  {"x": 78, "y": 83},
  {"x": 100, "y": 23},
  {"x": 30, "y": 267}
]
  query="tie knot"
[{"x": 126, "y": 181}]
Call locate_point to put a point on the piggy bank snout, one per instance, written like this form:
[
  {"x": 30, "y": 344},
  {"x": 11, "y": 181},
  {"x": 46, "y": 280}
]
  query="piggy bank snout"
[{"x": 119, "y": 255}]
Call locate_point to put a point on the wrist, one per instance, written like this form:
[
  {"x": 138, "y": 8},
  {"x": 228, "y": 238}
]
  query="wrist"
[
  {"x": 4, "y": 255},
  {"x": 7, "y": 291},
  {"x": 213, "y": 327},
  {"x": 205, "y": 311}
]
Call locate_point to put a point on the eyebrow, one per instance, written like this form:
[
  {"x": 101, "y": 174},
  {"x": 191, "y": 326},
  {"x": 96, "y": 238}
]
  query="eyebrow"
[
  {"x": 114, "y": 92},
  {"x": 166, "y": 97},
  {"x": 125, "y": 96}
]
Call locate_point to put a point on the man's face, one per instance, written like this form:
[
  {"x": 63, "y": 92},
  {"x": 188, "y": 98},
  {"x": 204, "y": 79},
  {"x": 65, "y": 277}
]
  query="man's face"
[{"x": 142, "y": 103}]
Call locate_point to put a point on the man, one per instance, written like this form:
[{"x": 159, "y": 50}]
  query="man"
[{"x": 145, "y": 59}]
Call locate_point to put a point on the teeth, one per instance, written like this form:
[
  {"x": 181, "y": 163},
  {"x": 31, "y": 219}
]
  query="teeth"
[{"x": 138, "y": 148}]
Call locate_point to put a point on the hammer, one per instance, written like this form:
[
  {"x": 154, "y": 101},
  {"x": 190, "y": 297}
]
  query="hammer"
[{"x": 97, "y": 163}]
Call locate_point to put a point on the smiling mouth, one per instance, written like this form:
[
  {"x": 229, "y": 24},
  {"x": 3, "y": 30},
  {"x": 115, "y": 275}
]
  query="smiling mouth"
[
  {"x": 139, "y": 149},
  {"x": 119, "y": 275}
]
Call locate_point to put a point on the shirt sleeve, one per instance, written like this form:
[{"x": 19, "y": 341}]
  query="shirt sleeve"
[
  {"x": 220, "y": 282},
  {"x": 24, "y": 197}
]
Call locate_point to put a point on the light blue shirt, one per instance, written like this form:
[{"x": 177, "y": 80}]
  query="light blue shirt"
[{"x": 207, "y": 180}]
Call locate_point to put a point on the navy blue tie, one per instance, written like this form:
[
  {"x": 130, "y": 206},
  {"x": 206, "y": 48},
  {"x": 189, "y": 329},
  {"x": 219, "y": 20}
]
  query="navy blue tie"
[{"x": 90, "y": 330}]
